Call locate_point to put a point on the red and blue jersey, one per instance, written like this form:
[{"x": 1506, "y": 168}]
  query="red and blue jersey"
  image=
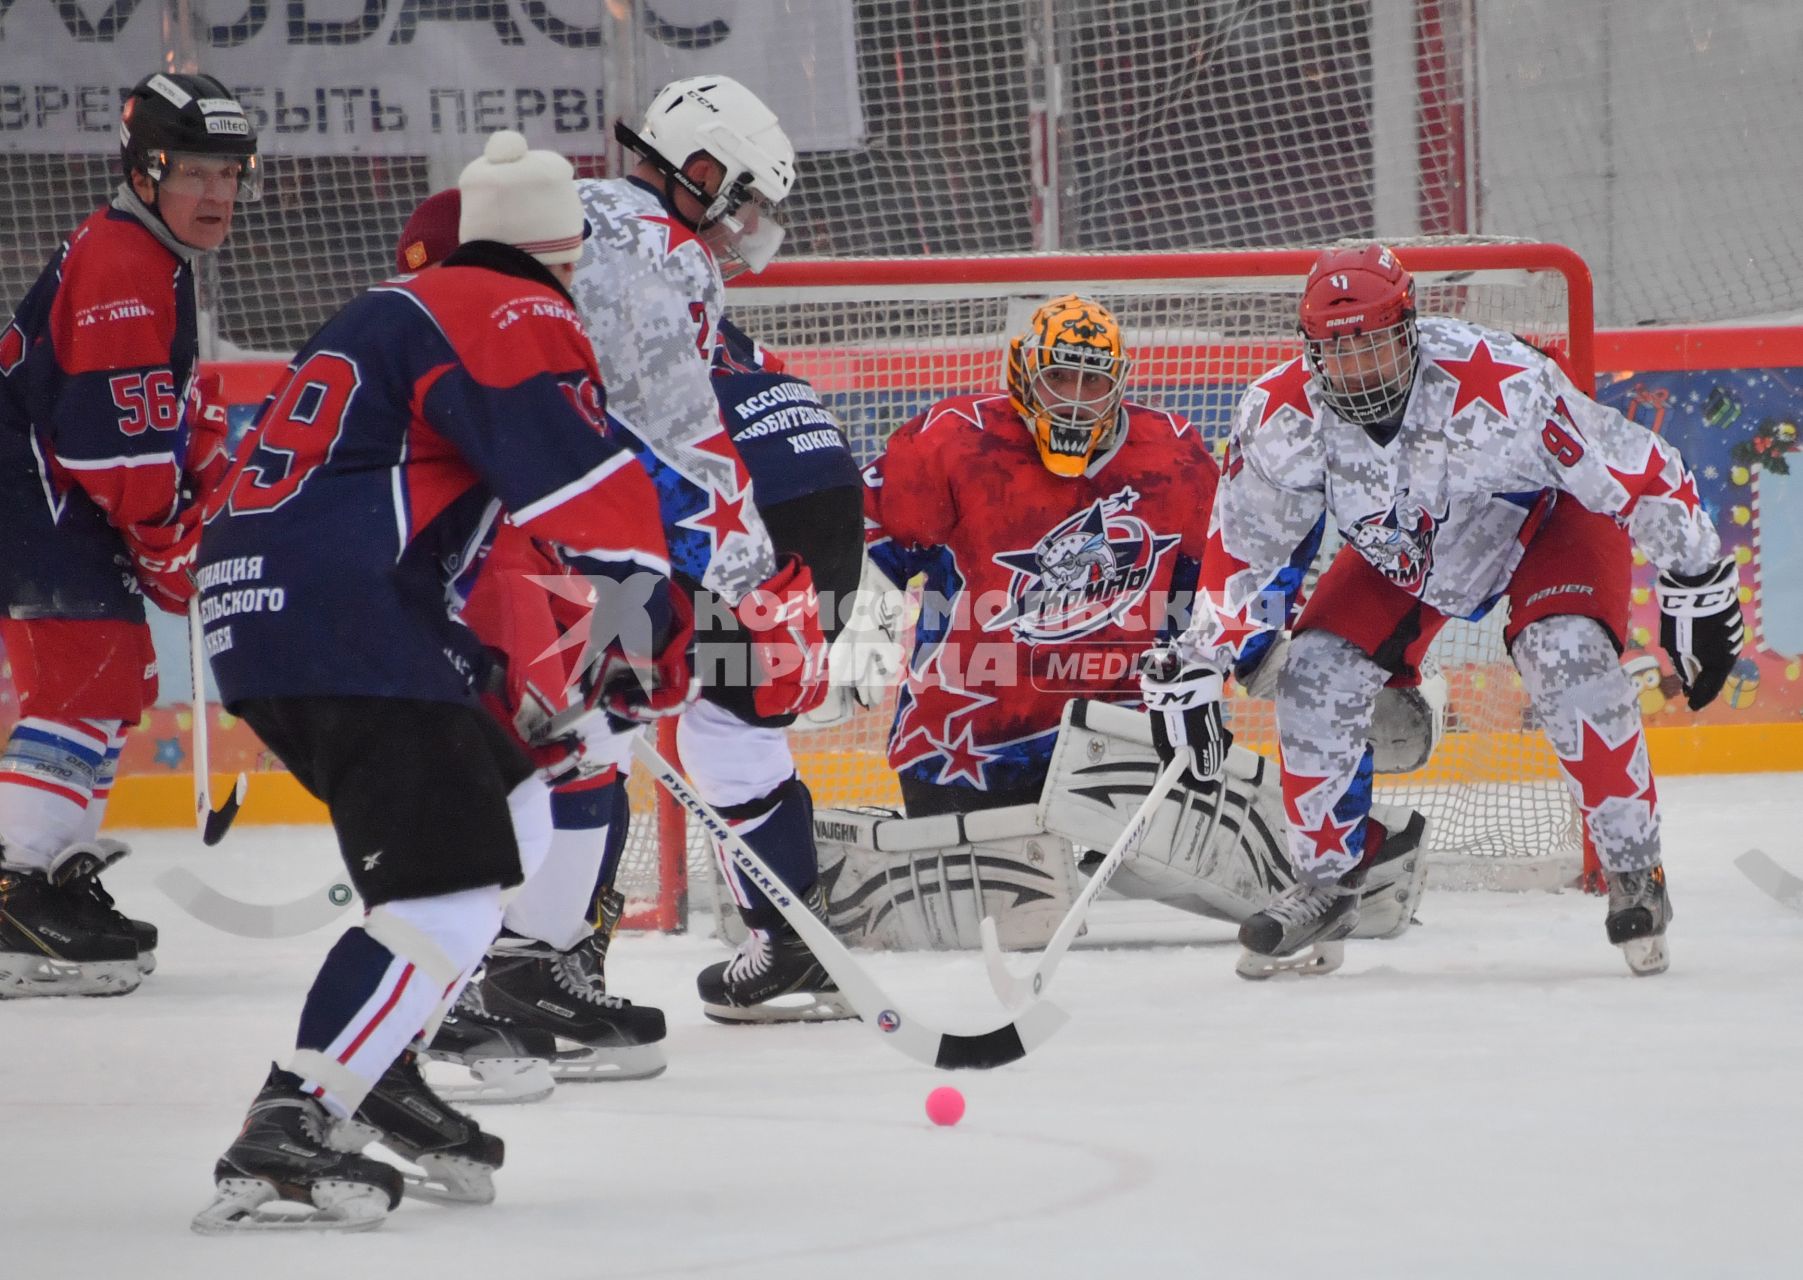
[
  {"x": 94, "y": 365},
  {"x": 420, "y": 414},
  {"x": 1038, "y": 588}
]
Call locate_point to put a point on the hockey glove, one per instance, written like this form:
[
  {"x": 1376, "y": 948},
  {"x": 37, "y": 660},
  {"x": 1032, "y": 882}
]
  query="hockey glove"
[
  {"x": 207, "y": 458},
  {"x": 162, "y": 559},
  {"x": 1185, "y": 705},
  {"x": 638, "y": 688},
  {"x": 787, "y": 645},
  {"x": 1700, "y": 626}
]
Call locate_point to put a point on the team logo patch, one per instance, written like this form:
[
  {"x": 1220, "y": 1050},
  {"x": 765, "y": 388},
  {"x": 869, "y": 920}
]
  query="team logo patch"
[
  {"x": 888, "y": 1020},
  {"x": 1399, "y": 542},
  {"x": 1088, "y": 572}
]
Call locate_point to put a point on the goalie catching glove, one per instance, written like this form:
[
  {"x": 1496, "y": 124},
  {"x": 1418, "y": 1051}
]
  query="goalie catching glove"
[
  {"x": 1185, "y": 704},
  {"x": 1700, "y": 626}
]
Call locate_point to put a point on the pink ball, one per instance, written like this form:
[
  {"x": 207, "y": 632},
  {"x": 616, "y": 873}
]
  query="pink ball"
[{"x": 945, "y": 1105}]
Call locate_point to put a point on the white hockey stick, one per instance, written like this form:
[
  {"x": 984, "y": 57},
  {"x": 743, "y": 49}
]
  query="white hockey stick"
[
  {"x": 999, "y": 1045},
  {"x": 213, "y": 825},
  {"x": 1015, "y": 991},
  {"x": 1777, "y": 883}
]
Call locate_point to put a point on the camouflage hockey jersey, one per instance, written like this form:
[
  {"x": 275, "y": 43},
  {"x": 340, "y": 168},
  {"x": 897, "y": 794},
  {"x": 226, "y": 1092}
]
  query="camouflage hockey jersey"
[
  {"x": 1038, "y": 588},
  {"x": 1493, "y": 434},
  {"x": 650, "y": 293}
]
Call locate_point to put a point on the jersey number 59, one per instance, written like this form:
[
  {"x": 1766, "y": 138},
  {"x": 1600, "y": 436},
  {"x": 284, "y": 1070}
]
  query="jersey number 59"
[{"x": 297, "y": 433}]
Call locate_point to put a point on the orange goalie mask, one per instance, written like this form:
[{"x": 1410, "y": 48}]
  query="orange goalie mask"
[{"x": 1067, "y": 375}]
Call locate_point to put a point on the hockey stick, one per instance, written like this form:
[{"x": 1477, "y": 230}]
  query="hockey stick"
[
  {"x": 213, "y": 824},
  {"x": 920, "y": 1041},
  {"x": 1777, "y": 883},
  {"x": 1015, "y": 991}
]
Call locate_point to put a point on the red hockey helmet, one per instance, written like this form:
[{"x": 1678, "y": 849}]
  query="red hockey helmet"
[{"x": 1358, "y": 332}]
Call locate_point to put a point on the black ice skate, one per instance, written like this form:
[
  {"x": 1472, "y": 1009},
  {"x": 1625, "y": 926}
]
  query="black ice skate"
[
  {"x": 773, "y": 978},
  {"x": 1303, "y": 915},
  {"x": 142, "y": 931},
  {"x": 281, "y": 1174},
  {"x": 1639, "y": 910},
  {"x": 535, "y": 985},
  {"x": 457, "y": 1158},
  {"x": 58, "y": 938},
  {"x": 508, "y": 1062}
]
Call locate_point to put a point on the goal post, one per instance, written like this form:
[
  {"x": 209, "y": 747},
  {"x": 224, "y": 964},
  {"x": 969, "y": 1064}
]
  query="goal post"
[{"x": 882, "y": 339}]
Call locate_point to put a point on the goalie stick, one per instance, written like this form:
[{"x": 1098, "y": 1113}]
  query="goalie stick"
[
  {"x": 213, "y": 824},
  {"x": 1777, "y": 883},
  {"x": 1008, "y": 1042},
  {"x": 1015, "y": 991}
]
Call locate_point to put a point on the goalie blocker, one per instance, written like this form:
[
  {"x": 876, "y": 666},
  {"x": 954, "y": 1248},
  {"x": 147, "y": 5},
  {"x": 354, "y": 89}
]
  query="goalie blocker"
[{"x": 926, "y": 883}]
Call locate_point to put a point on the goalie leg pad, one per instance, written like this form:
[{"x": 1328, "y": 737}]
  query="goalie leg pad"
[
  {"x": 1220, "y": 854},
  {"x": 925, "y": 884},
  {"x": 1395, "y": 874}
]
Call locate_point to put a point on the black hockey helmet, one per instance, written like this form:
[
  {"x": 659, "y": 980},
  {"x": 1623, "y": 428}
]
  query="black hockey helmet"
[{"x": 176, "y": 113}]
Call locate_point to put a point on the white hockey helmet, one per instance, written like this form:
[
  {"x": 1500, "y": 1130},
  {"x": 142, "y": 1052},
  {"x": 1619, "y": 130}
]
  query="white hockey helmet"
[{"x": 718, "y": 116}]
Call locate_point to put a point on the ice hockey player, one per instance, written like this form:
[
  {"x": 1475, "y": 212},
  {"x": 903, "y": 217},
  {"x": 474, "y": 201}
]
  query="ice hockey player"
[
  {"x": 810, "y": 496},
  {"x": 104, "y": 442},
  {"x": 1463, "y": 468},
  {"x": 540, "y": 1011},
  {"x": 1054, "y": 521},
  {"x": 423, "y": 411},
  {"x": 712, "y": 165}
]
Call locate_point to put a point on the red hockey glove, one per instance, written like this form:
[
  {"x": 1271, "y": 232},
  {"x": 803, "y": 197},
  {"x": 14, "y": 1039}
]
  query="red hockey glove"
[
  {"x": 208, "y": 457},
  {"x": 638, "y": 689},
  {"x": 787, "y": 644},
  {"x": 162, "y": 559}
]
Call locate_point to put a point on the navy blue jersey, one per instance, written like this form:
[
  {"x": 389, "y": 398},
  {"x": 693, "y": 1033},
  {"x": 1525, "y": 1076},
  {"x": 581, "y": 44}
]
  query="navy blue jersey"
[
  {"x": 790, "y": 442},
  {"x": 412, "y": 420},
  {"x": 93, "y": 369}
]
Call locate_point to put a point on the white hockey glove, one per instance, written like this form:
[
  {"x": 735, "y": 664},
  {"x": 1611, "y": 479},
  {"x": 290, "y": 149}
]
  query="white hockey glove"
[
  {"x": 1700, "y": 626},
  {"x": 866, "y": 658},
  {"x": 1185, "y": 704}
]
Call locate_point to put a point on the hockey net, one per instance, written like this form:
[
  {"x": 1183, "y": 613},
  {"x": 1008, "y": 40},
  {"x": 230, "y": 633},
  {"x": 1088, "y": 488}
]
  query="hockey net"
[{"x": 882, "y": 339}]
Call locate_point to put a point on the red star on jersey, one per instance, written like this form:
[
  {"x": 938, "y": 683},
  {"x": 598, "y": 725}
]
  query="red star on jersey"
[
  {"x": 1328, "y": 836},
  {"x": 1686, "y": 492},
  {"x": 1602, "y": 772},
  {"x": 1648, "y": 482},
  {"x": 724, "y": 517},
  {"x": 925, "y": 728},
  {"x": 1287, "y": 386},
  {"x": 675, "y": 233},
  {"x": 1481, "y": 378},
  {"x": 1228, "y": 630},
  {"x": 963, "y": 758}
]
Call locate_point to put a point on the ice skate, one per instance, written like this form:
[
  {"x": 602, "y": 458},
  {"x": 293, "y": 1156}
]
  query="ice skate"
[
  {"x": 1319, "y": 917},
  {"x": 773, "y": 978},
  {"x": 506, "y": 1061},
  {"x": 1639, "y": 910},
  {"x": 281, "y": 1175},
  {"x": 458, "y": 1160},
  {"x": 601, "y": 1037},
  {"x": 56, "y": 937},
  {"x": 142, "y": 931}
]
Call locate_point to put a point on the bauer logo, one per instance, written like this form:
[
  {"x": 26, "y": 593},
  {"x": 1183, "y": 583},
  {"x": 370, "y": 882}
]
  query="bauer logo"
[{"x": 888, "y": 1020}]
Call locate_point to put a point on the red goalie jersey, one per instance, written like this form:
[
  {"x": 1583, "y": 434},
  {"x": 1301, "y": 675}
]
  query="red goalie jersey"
[{"x": 1039, "y": 588}]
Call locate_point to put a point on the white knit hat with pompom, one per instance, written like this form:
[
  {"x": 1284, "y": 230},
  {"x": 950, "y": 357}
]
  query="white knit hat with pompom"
[{"x": 524, "y": 198}]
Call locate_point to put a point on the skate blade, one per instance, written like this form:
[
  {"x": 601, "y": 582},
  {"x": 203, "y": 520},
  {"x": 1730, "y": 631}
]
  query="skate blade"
[
  {"x": 1646, "y": 956},
  {"x": 612, "y": 1062},
  {"x": 147, "y": 963},
  {"x": 1322, "y": 960},
  {"x": 811, "y": 1006},
  {"x": 24, "y": 977},
  {"x": 449, "y": 1180},
  {"x": 495, "y": 1081},
  {"x": 250, "y": 1204}
]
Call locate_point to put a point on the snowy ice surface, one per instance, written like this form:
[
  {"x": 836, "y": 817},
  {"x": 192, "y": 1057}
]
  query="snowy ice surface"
[{"x": 1491, "y": 1095}]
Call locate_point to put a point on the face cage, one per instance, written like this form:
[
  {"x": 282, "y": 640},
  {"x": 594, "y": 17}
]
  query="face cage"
[
  {"x": 1072, "y": 428},
  {"x": 1393, "y": 365},
  {"x": 746, "y": 235},
  {"x": 250, "y": 177}
]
